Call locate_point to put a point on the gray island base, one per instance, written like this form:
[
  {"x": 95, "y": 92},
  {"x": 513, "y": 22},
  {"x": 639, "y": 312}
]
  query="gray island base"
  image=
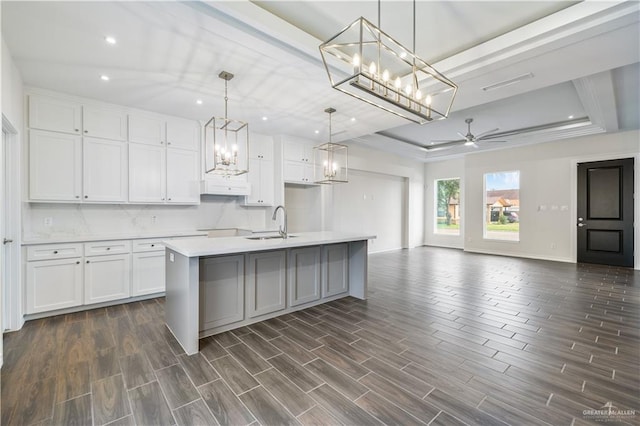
[{"x": 219, "y": 284}]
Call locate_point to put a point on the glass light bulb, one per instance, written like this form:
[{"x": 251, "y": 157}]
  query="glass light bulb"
[
  {"x": 427, "y": 100},
  {"x": 356, "y": 60},
  {"x": 217, "y": 148},
  {"x": 326, "y": 163},
  {"x": 408, "y": 89},
  {"x": 398, "y": 83},
  {"x": 385, "y": 75},
  {"x": 234, "y": 148},
  {"x": 372, "y": 68},
  {"x": 418, "y": 95},
  {"x": 335, "y": 166}
]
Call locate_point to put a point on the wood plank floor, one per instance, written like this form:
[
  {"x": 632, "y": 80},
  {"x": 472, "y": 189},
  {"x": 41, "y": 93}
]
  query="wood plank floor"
[{"x": 445, "y": 338}]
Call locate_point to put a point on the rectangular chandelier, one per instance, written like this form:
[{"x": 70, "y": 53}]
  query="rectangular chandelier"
[
  {"x": 366, "y": 63},
  {"x": 226, "y": 141}
]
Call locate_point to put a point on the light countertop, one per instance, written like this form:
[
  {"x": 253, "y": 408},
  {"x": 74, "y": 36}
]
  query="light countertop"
[{"x": 241, "y": 244}]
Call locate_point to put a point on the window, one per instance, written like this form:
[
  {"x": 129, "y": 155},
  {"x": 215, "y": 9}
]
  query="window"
[
  {"x": 447, "y": 217},
  {"x": 502, "y": 206}
]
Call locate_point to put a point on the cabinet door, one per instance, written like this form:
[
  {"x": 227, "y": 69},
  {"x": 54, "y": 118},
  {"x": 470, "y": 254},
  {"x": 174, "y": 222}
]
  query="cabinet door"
[
  {"x": 148, "y": 273},
  {"x": 304, "y": 275},
  {"x": 146, "y": 129},
  {"x": 294, "y": 171},
  {"x": 221, "y": 291},
  {"x": 58, "y": 115},
  {"x": 294, "y": 151},
  {"x": 183, "y": 134},
  {"x": 147, "y": 173},
  {"x": 267, "y": 183},
  {"x": 335, "y": 264},
  {"x": 254, "y": 176},
  {"x": 55, "y": 166},
  {"x": 266, "y": 282},
  {"x": 260, "y": 147},
  {"x": 104, "y": 123},
  {"x": 53, "y": 284},
  {"x": 183, "y": 183},
  {"x": 107, "y": 278},
  {"x": 105, "y": 170}
]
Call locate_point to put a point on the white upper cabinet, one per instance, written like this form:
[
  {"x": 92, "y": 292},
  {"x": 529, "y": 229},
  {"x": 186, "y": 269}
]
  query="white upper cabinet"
[
  {"x": 87, "y": 152},
  {"x": 183, "y": 176},
  {"x": 298, "y": 160},
  {"x": 107, "y": 123},
  {"x": 55, "y": 166},
  {"x": 57, "y": 115},
  {"x": 105, "y": 170},
  {"x": 147, "y": 129},
  {"x": 183, "y": 134},
  {"x": 147, "y": 173},
  {"x": 261, "y": 171},
  {"x": 260, "y": 147}
]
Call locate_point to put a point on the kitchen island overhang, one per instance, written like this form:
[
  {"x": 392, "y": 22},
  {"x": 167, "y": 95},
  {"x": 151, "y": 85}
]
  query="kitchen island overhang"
[{"x": 219, "y": 284}]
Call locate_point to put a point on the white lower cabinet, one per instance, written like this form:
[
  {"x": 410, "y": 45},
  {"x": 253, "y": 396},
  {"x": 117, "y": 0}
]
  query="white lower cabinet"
[
  {"x": 147, "y": 267},
  {"x": 221, "y": 291},
  {"x": 266, "y": 282},
  {"x": 107, "y": 278},
  {"x": 335, "y": 269},
  {"x": 304, "y": 275},
  {"x": 53, "y": 284}
]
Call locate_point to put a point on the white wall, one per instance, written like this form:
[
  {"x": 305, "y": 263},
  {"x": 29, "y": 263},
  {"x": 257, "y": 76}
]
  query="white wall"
[
  {"x": 304, "y": 208},
  {"x": 370, "y": 173},
  {"x": 443, "y": 170},
  {"x": 11, "y": 93},
  {"x": 372, "y": 203},
  {"x": 547, "y": 177}
]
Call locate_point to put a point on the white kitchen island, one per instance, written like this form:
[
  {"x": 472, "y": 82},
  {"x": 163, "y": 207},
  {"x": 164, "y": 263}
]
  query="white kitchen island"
[{"x": 219, "y": 284}]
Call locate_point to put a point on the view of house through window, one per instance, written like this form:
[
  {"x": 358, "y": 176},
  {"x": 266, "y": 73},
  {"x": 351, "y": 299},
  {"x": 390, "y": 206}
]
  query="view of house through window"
[
  {"x": 447, "y": 206},
  {"x": 502, "y": 206}
]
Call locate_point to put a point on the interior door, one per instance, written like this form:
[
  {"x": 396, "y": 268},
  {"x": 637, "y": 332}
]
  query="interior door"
[{"x": 605, "y": 212}]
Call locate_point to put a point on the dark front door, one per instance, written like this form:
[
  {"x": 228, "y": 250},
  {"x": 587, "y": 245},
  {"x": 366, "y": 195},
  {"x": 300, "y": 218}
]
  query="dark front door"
[{"x": 605, "y": 212}]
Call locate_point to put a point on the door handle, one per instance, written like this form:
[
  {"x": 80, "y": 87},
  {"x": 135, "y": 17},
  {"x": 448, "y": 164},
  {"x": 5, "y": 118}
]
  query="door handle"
[
  {"x": 7, "y": 241},
  {"x": 580, "y": 225}
]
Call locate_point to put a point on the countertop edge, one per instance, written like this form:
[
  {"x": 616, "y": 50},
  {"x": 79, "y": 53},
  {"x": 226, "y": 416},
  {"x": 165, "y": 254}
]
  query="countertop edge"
[
  {"x": 233, "y": 245},
  {"x": 88, "y": 239}
]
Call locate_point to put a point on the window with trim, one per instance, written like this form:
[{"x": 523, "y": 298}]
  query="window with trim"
[
  {"x": 447, "y": 205},
  {"x": 502, "y": 206}
]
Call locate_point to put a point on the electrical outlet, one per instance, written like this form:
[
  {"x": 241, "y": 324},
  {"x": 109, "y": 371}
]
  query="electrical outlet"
[
  {"x": 48, "y": 221},
  {"x": 553, "y": 246},
  {"x": 154, "y": 220}
]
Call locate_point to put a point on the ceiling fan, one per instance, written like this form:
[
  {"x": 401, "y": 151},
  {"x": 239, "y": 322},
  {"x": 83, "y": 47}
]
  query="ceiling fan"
[{"x": 467, "y": 140}]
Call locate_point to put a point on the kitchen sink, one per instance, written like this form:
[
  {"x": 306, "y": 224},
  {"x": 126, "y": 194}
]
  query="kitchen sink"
[{"x": 268, "y": 237}]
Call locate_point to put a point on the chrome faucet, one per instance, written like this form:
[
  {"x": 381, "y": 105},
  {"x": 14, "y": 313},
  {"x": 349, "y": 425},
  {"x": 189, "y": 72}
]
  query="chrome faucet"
[{"x": 282, "y": 230}]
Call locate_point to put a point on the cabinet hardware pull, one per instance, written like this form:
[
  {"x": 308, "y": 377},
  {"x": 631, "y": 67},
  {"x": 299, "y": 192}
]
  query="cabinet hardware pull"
[
  {"x": 7, "y": 240},
  {"x": 55, "y": 252},
  {"x": 153, "y": 245},
  {"x": 86, "y": 196},
  {"x": 77, "y": 196},
  {"x": 86, "y": 131},
  {"x": 77, "y": 130},
  {"x": 87, "y": 261},
  {"x": 108, "y": 248},
  {"x": 78, "y": 262}
]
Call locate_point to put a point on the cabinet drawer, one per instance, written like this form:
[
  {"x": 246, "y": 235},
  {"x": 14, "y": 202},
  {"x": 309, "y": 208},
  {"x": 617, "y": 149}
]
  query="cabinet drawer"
[
  {"x": 152, "y": 244},
  {"x": 107, "y": 247},
  {"x": 54, "y": 251}
]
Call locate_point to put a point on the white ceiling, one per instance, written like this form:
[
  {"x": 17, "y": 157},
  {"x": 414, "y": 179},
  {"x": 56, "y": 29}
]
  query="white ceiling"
[{"x": 583, "y": 56}]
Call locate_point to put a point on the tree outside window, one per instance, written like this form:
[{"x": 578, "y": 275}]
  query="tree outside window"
[{"x": 447, "y": 193}]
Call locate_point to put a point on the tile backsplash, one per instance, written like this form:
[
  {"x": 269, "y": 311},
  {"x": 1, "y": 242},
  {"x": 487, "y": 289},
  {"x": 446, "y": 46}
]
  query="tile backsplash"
[{"x": 52, "y": 220}]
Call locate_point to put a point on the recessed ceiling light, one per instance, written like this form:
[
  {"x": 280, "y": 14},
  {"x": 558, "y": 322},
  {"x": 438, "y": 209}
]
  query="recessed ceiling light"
[
  {"x": 199, "y": 101},
  {"x": 353, "y": 119},
  {"x": 317, "y": 131},
  {"x": 570, "y": 117},
  {"x": 110, "y": 40},
  {"x": 104, "y": 77},
  {"x": 265, "y": 118}
]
